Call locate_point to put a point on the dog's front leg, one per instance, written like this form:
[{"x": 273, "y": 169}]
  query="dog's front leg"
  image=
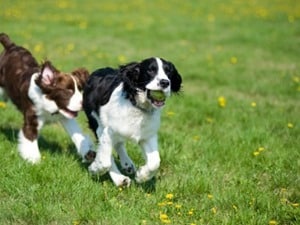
[
  {"x": 119, "y": 179},
  {"x": 151, "y": 154},
  {"x": 103, "y": 160},
  {"x": 82, "y": 142}
]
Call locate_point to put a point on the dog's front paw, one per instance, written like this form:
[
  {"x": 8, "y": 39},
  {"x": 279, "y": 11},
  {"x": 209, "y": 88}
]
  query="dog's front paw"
[
  {"x": 144, "y": 174},
  {"x": 99, "y": 168},
  {"x": 122, "y": 181}
]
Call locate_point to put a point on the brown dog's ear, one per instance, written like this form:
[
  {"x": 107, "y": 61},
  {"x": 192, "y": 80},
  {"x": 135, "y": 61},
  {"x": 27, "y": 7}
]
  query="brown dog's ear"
[
  {"x": 48, "y": 72},
  {"x": 82, "y": 75}
]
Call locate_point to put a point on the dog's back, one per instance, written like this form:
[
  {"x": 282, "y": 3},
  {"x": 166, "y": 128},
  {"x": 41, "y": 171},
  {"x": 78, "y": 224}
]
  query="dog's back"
[{"x": 16, "y": 68}]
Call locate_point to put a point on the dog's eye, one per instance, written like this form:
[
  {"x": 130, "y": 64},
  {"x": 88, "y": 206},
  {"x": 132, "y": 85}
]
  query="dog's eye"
[
  {"x": 167, "y": 69},
  {"x": 152, "y": 69}
]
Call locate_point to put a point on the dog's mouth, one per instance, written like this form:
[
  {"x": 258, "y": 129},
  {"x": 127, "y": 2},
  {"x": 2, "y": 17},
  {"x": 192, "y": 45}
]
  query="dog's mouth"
[
  {"x": 68, "y": 113},
  {"x": 156, "y": 97}
]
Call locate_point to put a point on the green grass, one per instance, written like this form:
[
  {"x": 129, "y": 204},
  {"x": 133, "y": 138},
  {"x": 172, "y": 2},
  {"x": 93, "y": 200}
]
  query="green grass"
[{"x": 246, "y": 51}]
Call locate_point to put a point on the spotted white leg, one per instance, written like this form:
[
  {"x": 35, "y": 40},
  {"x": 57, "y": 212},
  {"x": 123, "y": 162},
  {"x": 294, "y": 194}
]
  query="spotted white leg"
[
  {"x": 126, "y": 163},
  {"x": 151, "y": 154},
  {"x": 82, "y": 142},
  {"x": 103, "y": 160},
  {"x": 117, "y": 177},
  {"x": 28, "y": 149}
]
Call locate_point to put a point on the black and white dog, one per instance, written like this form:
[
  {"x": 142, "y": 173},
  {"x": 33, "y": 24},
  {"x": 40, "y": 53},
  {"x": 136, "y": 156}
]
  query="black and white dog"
[{"x": 125, "y": 103}]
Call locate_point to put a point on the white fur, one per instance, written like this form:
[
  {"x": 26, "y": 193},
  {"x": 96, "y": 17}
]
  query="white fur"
[
  {"x": 28, "y": 150},
  {"x": 44, "y": 109},
  {"x": 119, "y": 121}
]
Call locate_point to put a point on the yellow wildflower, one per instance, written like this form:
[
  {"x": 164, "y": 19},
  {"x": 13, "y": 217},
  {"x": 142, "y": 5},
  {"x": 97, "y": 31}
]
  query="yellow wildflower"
[
  {"x": 2, "y": 105},
  {"x": 169, "y": 196},
  {"x": 253, "y": 104},
  {"x": 170, "y": 113},
  {"x": 222, "y": 101},
  {"x": 233, "y": 60},
  {"x": 295, "y": 204},
  {"x": 122, "y": 58},
  {"x": 178, "y": 206},
  {"x": 290, "y": 125},
  {"x": 260, "y": 149},
  {"x": 38, "y": 48},
  {"x": 273, "y": 222},
  {"x": 214, "y": 210},
  {"x": 210, "y": 196},
  {"x": 235, "y": 207},
  {"x": 164, "y": 218},
  {"x": 196, "y": 138},
  {"x": 256, "y": 153}
]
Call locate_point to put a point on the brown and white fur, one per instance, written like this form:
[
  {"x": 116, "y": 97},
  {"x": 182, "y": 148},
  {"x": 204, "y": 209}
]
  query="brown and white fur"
[{"x": 42, "y": 93}]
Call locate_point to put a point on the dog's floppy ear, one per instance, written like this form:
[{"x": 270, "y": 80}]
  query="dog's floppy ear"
[
  {"x": 175, "y": 78},
  {"x": 130, "y": 71},
  {"x": 48, "y": 72},
  {"x": 82, "y": 75}
]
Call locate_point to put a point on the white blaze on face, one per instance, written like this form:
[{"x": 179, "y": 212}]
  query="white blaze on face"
[
  {"x": 161, "y": 75},
  {"x": 75, "y": 103}
]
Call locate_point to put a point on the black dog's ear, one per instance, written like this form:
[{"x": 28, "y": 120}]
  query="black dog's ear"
[
  {"x": 175, "y": 78},
  {"x": 130, "y": 71}
]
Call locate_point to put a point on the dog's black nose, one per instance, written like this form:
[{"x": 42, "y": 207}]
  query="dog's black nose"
[{"x": 164, "y": 83}]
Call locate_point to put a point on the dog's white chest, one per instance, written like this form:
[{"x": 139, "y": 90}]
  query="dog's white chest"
[{"x": 127, "y": 121}]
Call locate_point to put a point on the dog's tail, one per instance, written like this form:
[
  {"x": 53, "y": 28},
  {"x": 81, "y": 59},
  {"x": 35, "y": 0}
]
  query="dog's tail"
[{"x": 5, "y": 41}]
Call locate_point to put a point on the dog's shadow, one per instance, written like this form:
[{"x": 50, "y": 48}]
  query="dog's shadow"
[
  {"x": 53, "y": 147},
  {"x": 45, "y": 145}
]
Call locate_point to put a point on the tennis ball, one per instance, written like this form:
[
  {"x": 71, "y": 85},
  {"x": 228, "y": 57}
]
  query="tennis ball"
[{"x": 158, "y": 95}]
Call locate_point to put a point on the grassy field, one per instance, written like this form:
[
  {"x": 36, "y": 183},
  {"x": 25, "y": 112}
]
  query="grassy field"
[{"x": 229, "y": 142}]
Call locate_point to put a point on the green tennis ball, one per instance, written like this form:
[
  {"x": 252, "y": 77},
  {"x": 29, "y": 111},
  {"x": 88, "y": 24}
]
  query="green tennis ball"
[{"x": 158, "y": 95}]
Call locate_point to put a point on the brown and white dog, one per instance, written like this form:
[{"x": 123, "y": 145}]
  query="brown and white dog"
[{"x": 42, "y": 93}]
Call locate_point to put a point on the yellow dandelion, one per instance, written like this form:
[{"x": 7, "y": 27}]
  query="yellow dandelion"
[
  {"x": 235, "y": 207},
  {"x": 256, "y": 153},
  {"x": 169, "y": 196},
  {"x": 214, "y": 210},
  {"x": 76, "y": 222},
  {"x": 196, "y": 138},
  {"x": 233, "y": 60},
  {"x": 295, "y": 204},
  {"x": 222, "y": 101},
  {"x": 2, "y": 105},
  {"x": 122, "y": 59},
  {"x": 191, "y": 212},
  {"x": 192, "y": 224},
  {"x": 296, "y": 79},
  {"x": 209, "y": 120},
  {"x": 273, "y": 222},
  {"x": 144, "y": 221},
  {"x": 260, "y": 149},
  {"x": 120, "y": 189},
  {"x": 170, "y": 113},
  {"x": 178, "y": 206},
  {"x": 290, "y": 125},
  {"x": 38, "y": 48},
  {"x": 162, "y": 204},
  {"x": 164, "y": 218},
  {"x": 253, "y": 104},
  {"x": 210, "y": 196}
]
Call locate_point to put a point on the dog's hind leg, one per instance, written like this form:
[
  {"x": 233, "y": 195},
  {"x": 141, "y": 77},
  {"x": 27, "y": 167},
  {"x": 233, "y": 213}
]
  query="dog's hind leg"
[{"x": 126, "y": 163}]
